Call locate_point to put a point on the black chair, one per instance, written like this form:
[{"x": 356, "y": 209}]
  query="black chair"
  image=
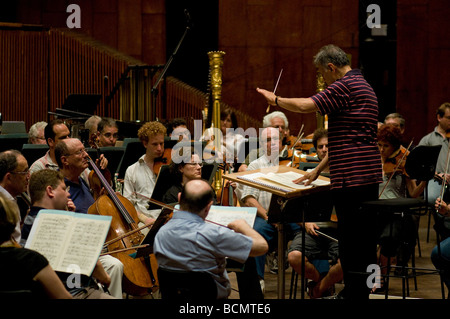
[
  {"x": 177, "y": 285},
  {"x": 133, "y": 151},
  {"x": 33, "y": 152},
  {"x": 420, "y": 165}
]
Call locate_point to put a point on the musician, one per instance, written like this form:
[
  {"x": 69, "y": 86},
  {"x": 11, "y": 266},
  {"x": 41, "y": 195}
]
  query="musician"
[
  {"x": 72, "y": 160},
  {"x": 439, "y": 137},
  {"x": 187, "y": 243},
  {"x": 21, "y": 268},
  {"x": 397, "y": 120},
  {"x": 229, "y": 138},
  {"x": 178, "y": 127},
  {"x": 319, "y": 208},
  {"x": 354, "y": 159},
  {"x": 140, "y": 178},
  {"x": 54, "y": 132},
  {"x": 14, "y": 177},
  {"x": 107, "y": 132},
  {"x": 48, "y": 191},
  {"x": 270, "y": 143},
  {"x": 320, "y": 143},
  {"x": 36, "y": 133},
  {"x": 396, "y": 184},
  {"x": 91, "y": 125},
  {"x": 278, "y": 120},
  {"x": 182, "y": 173}
]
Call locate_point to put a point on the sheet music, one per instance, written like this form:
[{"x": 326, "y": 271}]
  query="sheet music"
[
  {"x": 224, "y": 215},
  {"x": 281, "y": 181},
  {"x": 67, "y": 239}
]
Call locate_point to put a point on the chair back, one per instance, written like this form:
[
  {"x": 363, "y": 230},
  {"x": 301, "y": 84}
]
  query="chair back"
[{"x": 178, "y": 285}]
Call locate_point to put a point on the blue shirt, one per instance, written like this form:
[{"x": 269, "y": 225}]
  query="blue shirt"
[
  {"x": 80, "y": 194},
  {"x": 187, "y": 242}
]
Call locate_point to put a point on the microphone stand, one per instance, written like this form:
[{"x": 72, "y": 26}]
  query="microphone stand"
[{"x": 154, "y": 91}]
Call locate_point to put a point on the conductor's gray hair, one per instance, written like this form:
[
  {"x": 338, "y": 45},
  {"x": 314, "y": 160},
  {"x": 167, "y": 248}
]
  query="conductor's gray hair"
[{"x": 331, "y": 54}]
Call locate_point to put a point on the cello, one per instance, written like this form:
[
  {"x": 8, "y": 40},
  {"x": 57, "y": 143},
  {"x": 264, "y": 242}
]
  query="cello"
[{"x": 139, "y": 274}]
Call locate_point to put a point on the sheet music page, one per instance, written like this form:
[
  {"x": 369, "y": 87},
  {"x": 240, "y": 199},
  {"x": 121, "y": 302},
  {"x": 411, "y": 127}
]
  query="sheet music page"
[
  {"x": 48, "y": 236},
  {"x": 224, "y": 215},
  {"x": 286, "y": 179},
  {"x": 84, "y": 245},
  {"x": 69, "y": 239}
]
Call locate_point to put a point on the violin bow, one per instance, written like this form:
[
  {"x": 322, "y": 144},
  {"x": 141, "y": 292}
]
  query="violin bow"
[
  {"x": 275, "y": 89},
  {"x": 398, "y": 165}
]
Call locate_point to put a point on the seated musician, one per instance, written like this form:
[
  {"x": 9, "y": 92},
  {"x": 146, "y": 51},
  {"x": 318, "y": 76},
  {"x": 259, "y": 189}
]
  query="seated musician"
[
  {"x": 178, "y": 127},
  {"x": 72, "y": 160},
  {"x": 229, "y": 139},
  {"x": 14, "y": 176},
  {"x": 48, "y": 191},
  {"x": 36, "y": 133},
  {"x": 319, "y": 208},
  {"x": 21, "y": 268},
  {"x": 91, "y": 125},
  {"x": 252, "y": 197},
  {"x": 396, "y": 184},
  {"x": 185, "y": 242},
  {"x": 439, "y": 136},
  {"x": 107, "y": 132},
  {"x": 182, "y": 173},
  {"x": 140, "y": 178},
  {"x": 278, "y": 120}
]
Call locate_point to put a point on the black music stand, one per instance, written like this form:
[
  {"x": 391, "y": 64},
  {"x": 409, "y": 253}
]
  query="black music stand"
[
  {"x": 149, "y": 239},
  {"x": 163, "y": 182},
  {"x": 420, "y": 165}
]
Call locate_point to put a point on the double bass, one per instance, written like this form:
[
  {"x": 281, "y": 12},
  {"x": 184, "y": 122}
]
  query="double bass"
[{"x": 139, "y": 274}]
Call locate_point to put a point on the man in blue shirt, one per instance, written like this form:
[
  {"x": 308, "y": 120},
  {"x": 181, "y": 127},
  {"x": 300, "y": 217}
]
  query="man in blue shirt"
[{"x": 188, "y": 243}]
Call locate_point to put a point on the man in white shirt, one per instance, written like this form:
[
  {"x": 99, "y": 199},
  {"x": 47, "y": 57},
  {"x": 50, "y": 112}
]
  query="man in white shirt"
[{"x": 140, "y": 178}]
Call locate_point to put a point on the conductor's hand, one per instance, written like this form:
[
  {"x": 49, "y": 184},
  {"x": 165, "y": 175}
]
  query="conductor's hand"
[
  {"x": 308, "y": 178},
  {"x": 269, "y": 96}
]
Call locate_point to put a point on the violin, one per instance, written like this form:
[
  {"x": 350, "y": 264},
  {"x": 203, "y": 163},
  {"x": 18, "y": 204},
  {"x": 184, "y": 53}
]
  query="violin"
[
  {"x": 395, "y": 165},
  {"x": 139, "y": 274},
  {"x": 165, "y": 159}
]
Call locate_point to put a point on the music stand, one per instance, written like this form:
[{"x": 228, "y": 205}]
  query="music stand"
[
  {"x": 149, "y": 239},
  {"x": 163, "y": 182}
]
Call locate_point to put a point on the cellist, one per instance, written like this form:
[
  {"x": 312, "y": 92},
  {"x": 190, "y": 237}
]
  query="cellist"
[{"x": 72, "y": 160}]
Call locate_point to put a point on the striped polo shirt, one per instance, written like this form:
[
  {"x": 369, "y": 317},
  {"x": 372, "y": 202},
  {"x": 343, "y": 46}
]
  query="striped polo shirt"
[{"x": 352, "y": 109}]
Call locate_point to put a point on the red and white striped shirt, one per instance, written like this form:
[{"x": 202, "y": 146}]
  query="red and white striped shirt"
[{"x": 352, "y": 109}]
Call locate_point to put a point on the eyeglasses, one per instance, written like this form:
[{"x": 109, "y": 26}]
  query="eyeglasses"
[
  {"x": 194, "y": 164},
  {"x": 78, "y": 153},
  {"x": 26, "y": 172}
]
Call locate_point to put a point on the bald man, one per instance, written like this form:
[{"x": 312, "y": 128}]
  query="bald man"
[{"x": 186, "y": 241}]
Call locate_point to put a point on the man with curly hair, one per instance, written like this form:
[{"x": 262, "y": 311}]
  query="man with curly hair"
[{"x": 140, "y": 179}]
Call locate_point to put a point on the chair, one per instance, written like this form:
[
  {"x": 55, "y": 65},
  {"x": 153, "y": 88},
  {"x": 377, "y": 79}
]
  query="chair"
[
  {"x": 33, "y": 152},
  {"x": 420, "y": 165},
  {"x": 177, "y": 285},
  {"x": 133, "y": 151}
]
